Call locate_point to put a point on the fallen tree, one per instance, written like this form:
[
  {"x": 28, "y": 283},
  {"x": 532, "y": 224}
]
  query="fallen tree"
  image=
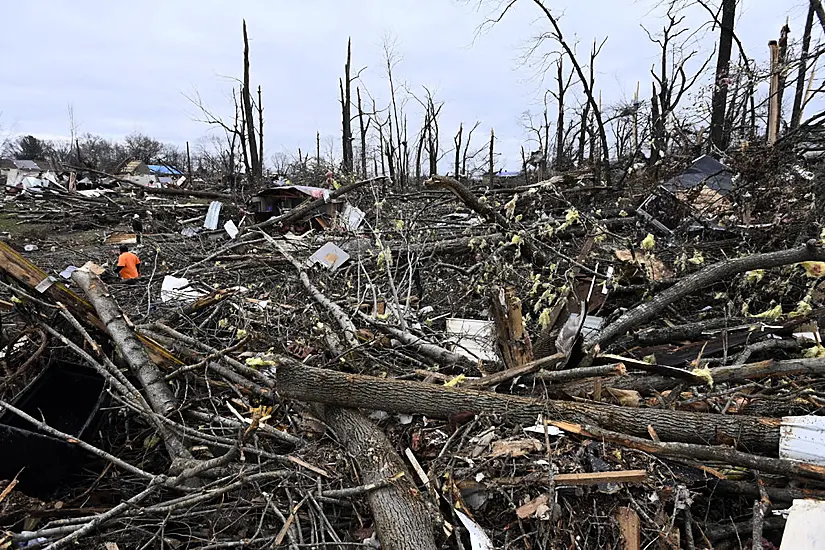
[
  {"x": 707, "y": 276},
  {"x": 158, "y": 393},
  {"x": 367, "y": 392}
]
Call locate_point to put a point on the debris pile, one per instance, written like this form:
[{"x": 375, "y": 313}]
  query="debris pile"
[{"x": 551, "y": 365}]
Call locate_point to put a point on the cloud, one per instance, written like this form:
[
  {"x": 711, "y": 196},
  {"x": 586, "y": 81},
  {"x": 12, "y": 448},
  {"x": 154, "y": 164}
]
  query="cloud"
[{"x": 125, "y": 69}]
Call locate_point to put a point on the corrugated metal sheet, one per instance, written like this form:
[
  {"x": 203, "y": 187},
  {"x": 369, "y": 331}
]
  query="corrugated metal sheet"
[
  {"x": 803, "y": 438},
  {"x": 212, "y": 216}
]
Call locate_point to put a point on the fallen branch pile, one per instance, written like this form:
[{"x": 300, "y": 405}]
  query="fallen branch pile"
[{"x": 529, "y": 368}]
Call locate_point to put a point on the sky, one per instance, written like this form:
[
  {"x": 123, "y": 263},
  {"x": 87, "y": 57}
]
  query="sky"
[{"x": 128, "y": 67}]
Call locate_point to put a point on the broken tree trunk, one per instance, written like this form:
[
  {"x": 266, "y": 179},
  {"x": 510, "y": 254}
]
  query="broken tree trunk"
[
  {"x": 512, "y": 340},
  {"x": 402, "y": 521},
  {"x": 401, "y": 396},
  {"x": 427, "y": 349},
  {"x": 158, "y": 393},
  {"x": 701, "y": 279}
]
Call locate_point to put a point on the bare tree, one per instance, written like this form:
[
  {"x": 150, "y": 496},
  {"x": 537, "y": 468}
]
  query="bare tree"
[
  {"x": 671, "y": 82},
  {"x": 457, "y": 141},
  {"x": 255, "y": 168},
  {"x": 561, "y": 90},
  {"x": 802, "y": 69},
  {"x": 363, "y": 128},
  {"x": 466, "y": 156},
  {"x": 718, "y": 133},
  {"x": 346, "y": 116}
]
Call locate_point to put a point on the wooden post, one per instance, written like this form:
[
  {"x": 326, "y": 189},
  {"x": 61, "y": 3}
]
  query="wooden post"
[
  {"x": 629, "y": 528},
  {"x": 773, "y": 101},
  {"x": 511, "y": 339}
]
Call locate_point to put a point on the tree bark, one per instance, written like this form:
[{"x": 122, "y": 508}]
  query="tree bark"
[
  {"x": 799, "y": 95},
  {"x": 720, "y": 93},
  {"x": 356, "y": 391},
  {"x": 492, "y": 158},
  {"x": 346, "y": 115},
  {"x": 560, "y": 121},
  {"x": 246, "y": 96},
  {"x": 457, "y": 139},
  {"x": 158, "y": 393},
  {"x": 402, "y": 521},
  {"x": 820, "y": 12},
  {"x": 720, "y": 375},
  {"x": 363, "y": 131}
]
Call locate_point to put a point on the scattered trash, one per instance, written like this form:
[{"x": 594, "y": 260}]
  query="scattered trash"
[
  {"x": 352, "y": 217},
  {"x": 329, "y": 256},
  {"x": 478, "y": 538},
  {"x": 121, "y": 238},
  {"x": 472, "y": 338},
  {"x": 175, "y": 289},
  {"x": 803, "y": 531},
  {"x": 231, "y": 229},
  {"x": 30, "y": 247},
  {"x": 44, "y": 285},
  {"x": 537, "y": 508}
]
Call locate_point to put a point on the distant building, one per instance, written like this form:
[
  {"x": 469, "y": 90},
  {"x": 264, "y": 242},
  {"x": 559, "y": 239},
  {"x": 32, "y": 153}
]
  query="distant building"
[
  {"x": 150, "y": 175},
  {"x": 25, "y": 174}
]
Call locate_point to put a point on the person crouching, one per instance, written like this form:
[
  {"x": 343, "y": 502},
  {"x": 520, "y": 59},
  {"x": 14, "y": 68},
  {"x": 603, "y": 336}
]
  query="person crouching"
[{"x": 128, "y": 265}]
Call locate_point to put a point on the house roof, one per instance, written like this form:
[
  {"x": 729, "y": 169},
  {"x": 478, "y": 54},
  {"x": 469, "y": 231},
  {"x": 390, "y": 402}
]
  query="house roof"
[
  {"x": 165, "y": 170},
  {"x": 707, "y": 171},
  {"x": 131, "y": 167},
  {"x": 314, "y": 192},
  {"x": 26, "y": 165}
]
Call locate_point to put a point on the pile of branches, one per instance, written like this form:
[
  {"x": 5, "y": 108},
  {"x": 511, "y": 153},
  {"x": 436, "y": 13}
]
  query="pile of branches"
[{"x": 629, "y": 391}]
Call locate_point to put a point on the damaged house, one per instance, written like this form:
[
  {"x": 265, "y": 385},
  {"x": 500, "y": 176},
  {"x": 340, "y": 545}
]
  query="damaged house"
[
  {"x": 277, "y": 201},
  {"x": 700, "y": 194},
  {"x": 27, "y": 174},
  {"x": 150, "y": 175}
]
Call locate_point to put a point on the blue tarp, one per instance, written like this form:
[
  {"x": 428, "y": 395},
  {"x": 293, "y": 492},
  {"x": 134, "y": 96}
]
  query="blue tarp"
[{"x": 165, "y": 170}]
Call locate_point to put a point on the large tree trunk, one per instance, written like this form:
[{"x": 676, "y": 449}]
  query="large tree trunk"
[
  {"x": 799, "y": 95},
  {"x": 720, "y": 93},
  {"x": 402, "y": 521},
  {"x": 246, "y": 97},
  {"x": 400, "y": 396},
  {"x": 346, "y": 116},
  {"x": 158, "y": 393},
  {"x": 711, "y": 274},
  {"x": 363, "y": 131}
]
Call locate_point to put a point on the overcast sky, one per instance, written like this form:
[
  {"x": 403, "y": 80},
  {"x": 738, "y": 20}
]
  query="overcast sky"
[{"x": 127, "y": 66}]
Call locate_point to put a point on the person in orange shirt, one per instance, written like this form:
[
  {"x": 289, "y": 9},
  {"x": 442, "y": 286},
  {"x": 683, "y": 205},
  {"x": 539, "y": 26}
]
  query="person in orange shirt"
[{"x": 128, "y": 264}]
